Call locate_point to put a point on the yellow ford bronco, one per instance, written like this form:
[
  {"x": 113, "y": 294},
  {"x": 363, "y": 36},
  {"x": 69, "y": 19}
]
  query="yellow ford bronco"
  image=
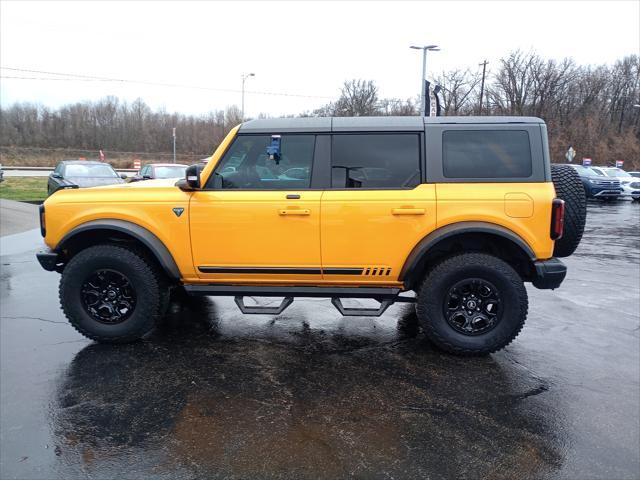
[{"x": 460, "y": 210}]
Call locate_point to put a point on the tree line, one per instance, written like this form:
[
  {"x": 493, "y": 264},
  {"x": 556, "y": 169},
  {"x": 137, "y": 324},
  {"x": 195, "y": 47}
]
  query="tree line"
[{"x": 588, "y": 107}]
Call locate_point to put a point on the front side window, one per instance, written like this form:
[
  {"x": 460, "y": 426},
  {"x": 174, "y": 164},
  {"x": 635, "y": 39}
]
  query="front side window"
[
  {"x": 486, "y": 154},
  {"x": 375, "y": 161},
  {"x": 247, "y": 166}
]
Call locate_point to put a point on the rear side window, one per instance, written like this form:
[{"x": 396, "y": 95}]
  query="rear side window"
[
  {"x": 375, "y": 161},
  {"x": 486, "y": 154}
]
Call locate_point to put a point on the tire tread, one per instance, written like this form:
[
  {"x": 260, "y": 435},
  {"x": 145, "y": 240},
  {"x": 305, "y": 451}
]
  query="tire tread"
[
  {"x": 427, "y": 302},
  {"x": 570, "y": 189},
  {"x": 139, "y": 261}
]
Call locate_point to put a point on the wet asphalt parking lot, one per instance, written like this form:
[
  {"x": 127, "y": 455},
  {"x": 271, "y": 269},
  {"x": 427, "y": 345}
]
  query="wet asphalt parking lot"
[{"x": 310, "y": 394}]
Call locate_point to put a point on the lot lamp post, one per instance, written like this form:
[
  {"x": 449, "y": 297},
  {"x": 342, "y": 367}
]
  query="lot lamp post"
[
  {"x": 425, "y": 49},
  {"x": 244, "y": 79}
]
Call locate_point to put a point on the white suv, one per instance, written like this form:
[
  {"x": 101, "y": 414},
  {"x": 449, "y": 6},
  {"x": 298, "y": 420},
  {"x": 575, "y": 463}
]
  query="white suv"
[{"x": 630, "y": 184}]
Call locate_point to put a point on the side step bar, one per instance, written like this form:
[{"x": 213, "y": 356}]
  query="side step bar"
[
  {"x": 387, "y": 296},
  {"x": 286, "y": 301}
]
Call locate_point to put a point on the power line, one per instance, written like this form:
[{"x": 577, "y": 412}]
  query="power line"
[
  {"x": 52, "y": 79},
  {"x": 146, "y": 82},
  {"x": 111, "y": 152}
]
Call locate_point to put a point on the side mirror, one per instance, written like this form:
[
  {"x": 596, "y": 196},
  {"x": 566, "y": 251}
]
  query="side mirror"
[
  {"x": 123, "y": 176},
  {"x": 146, "y": 177},
  {"x": 191, "y": 180},
  {"x": 56, "y": 175}
]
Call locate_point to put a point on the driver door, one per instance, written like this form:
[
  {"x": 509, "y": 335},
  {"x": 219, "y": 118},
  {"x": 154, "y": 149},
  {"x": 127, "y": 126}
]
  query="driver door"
[{"x": 259, "y": 222}]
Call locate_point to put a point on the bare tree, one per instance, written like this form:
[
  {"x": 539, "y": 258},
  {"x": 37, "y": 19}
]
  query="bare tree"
[{"x": 458, "y": 87}]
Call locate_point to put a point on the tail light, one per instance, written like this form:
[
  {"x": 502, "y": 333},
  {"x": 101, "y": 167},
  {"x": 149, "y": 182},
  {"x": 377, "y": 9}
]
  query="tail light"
[
  {"x": 557, "y": 218},
  {"x": 43, "y": 226}
]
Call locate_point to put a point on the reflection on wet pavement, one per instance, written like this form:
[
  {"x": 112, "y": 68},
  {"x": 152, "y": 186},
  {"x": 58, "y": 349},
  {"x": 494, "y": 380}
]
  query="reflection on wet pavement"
[{"x": 310, "y": 394}]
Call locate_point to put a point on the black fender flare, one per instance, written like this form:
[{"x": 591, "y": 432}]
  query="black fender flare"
[
  {"x": 414, "y": 260},
  {"x": 148, "y": 239}
]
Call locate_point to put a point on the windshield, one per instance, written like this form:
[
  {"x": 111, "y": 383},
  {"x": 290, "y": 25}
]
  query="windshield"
[
  {"x": 616, "y": 172},
  {"x": 89, "y": 170},
  {"x": 169, "y": 172},
  {"x": 582, "y": 170}
]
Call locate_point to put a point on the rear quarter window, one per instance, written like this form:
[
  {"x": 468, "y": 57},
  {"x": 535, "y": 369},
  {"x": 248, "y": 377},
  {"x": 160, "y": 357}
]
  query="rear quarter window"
[{"x": 486, "y": 154}]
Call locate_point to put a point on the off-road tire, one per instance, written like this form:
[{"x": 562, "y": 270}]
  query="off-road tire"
[
  {"x": 570, "y": 189},
  {"x": 512, "y": 312},
  {"x": 145, "y": 277}
]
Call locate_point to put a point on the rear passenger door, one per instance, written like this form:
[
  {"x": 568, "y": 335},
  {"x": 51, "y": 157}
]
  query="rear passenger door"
[{"x": 376, "y": 209}]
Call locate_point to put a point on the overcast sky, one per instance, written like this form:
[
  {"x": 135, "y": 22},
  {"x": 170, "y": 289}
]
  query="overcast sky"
[{"x": 302, "y": 48}]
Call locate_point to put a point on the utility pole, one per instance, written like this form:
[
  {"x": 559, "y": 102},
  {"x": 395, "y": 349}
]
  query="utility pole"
[
  {"x": 174, "y": 144},
  {"x": 484, "y": 69},
  {"x": 425, "y": 49},
  {"x": 244, "y": 78}
]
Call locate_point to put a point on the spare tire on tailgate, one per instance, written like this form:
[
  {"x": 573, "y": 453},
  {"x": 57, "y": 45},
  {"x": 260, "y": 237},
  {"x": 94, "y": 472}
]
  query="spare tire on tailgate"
[{"x": 570, "y": 189}]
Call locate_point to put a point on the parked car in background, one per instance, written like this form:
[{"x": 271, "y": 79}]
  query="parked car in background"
[
  {"x": 82, "y": 174},
  {"x": 596, "y": 185},
  {"x": 630, "y": 184},
  {"x": 159, "y": 170}
]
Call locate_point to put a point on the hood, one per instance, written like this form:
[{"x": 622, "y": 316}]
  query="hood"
[
  {"x": 84, "y": 182},
  {"x": 159, "y": 182}
]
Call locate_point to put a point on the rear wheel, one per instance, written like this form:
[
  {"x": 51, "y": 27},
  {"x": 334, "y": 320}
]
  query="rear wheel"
[
  {"x": 112, "y": 294},
  {"x": 570, "y": 189},
  {"x": 472, "y": 304}
]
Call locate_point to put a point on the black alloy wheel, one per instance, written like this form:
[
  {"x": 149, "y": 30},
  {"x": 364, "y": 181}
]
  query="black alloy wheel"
[
  {"x": 108, "y": 297},
  {"x": 472, "y": 306}
]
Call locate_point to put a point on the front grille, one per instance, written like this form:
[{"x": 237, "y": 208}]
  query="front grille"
[{"x": 607, "y": 183}]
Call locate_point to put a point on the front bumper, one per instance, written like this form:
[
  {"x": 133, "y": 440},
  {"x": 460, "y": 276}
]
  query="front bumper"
[
  {"x": 629, "y": 192},
  {"x": 606, "y": 193},
  {"x": 549, "y": 274},
  {"x": 50, "y": 260}
]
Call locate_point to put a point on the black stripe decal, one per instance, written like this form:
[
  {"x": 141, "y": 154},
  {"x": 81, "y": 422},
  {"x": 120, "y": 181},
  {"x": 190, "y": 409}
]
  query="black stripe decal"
[
  {"x": 283, "y": 270},
  {"x": 342, "y": 271},
  {"x": 267, "y": 270}
]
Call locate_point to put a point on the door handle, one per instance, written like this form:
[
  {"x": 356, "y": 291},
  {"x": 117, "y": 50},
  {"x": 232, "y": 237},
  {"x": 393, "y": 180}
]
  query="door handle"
[
  {"x": 296, "y": 211},
  {"x": 408, "y": 211}
]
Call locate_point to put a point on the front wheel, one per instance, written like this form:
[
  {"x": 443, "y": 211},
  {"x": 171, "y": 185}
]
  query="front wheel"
[
  {"x": 112, "y": 294},
  {"x": 472, "y": 304}
]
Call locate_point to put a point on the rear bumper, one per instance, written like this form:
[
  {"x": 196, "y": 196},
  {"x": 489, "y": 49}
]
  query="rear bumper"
[
  {"x": 549, "y": 274},
  {"x": 50, "y": 260}
]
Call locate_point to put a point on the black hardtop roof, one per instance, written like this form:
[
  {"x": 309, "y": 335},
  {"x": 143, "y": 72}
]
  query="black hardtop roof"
[{"x": 354, "y": 124}]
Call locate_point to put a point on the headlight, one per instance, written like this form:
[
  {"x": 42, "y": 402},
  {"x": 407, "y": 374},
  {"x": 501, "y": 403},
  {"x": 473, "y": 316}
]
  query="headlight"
[
  {"x": 625, "y": 182},
  {"x": 592, "y": 181}
]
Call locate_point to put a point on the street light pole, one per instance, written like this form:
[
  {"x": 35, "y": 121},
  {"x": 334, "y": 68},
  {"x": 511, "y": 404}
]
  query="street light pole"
[
  {"x": 174, "y": 144},
  {"x": 244, "y": 78},
  {"x": 423, "y": 98}
]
